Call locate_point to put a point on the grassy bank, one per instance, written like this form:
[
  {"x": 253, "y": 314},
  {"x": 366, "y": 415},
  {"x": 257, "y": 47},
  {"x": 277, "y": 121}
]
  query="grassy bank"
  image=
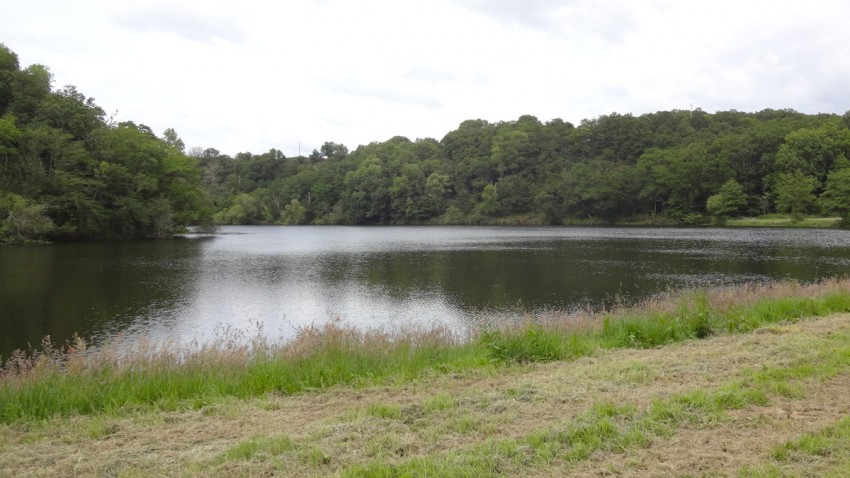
[
  {"x": 76, "y": 381},
  {"x": 769, "y": 402},
  {"x": 767, "y": 220},
  {"x": 780, "y": 220}
]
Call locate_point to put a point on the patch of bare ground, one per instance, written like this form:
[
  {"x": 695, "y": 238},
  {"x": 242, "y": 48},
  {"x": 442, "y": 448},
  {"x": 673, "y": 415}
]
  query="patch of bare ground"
[{"x": 333, "y": 429}]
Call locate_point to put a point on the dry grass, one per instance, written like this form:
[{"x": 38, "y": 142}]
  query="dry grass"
[{"x": 327, "y": 432}]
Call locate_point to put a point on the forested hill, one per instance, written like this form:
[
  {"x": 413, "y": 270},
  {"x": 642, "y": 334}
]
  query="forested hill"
[
  {"x": 670, "y": 167},
  {"x": 68, "y": 172}
]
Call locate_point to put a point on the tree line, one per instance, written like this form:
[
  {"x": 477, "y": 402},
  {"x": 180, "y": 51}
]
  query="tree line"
[
  {"x": 67, "y": 171},
  {"x": 669, "y": 167}
]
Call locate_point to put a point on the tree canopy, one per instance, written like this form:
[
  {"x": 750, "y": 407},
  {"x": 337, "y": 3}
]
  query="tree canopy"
[
  {"x": 68, "y": 172},
  {"x": 683, "y": 167}
]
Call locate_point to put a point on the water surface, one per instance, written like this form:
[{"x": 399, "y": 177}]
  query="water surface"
[{"x": 280, "y": 278}]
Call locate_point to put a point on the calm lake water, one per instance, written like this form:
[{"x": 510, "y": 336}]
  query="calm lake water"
[{"x": 282, "y": 278}]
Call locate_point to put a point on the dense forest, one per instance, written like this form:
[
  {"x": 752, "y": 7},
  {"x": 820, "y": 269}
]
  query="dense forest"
[
  {"x": 670, "y": 167},
  {"x": 68, "y": 172}
]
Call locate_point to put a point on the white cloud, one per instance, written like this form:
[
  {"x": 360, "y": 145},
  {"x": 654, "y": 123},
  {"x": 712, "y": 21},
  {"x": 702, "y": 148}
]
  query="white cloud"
[{"x": 252, "y": 75}]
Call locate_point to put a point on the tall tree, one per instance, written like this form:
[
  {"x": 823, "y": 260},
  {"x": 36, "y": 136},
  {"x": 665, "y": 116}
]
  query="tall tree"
[
  {"x": 795, "y": 193},
  {"x": 836, "y": 196}
]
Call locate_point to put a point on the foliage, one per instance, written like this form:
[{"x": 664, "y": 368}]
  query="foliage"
[
  {"x": 728, "y": 202},
  {"x": 93, "y": 178},
  {"x": 836, "y": 195},
  {"x": 795, "y": 193},
  {"x": 66, "y": 172},
  {"x": 677, "y": 166},
  {"x": 23, "y": 220}
]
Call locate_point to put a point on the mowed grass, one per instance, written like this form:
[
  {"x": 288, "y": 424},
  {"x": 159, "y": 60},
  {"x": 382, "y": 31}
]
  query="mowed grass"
[
  {"x": 825, "y": 452},
  {"x": 618, "y": 428},
  {"x": 74, "y": 380}
]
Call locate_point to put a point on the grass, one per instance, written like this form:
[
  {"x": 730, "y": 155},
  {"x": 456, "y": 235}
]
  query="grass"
[
  {"x": 708, "y": 407},
  {"x": 50, "y": 382},
  {"x": 260, "y": 446},
  {"x": 825, "y": 452},
  {"x": 77, "y": 381},
  {"x": 832, "y": 441},
  {"x": 608, "y": 427},
  {"x": 781, "y": 220}
]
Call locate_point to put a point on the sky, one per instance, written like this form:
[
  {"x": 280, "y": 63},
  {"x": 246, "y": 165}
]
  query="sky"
[{"x": 252, "y": 75}]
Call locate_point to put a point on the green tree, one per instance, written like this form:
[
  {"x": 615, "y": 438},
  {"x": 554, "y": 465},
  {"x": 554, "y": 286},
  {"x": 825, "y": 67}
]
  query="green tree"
[
  {"x": 245, "y": 209},
  {"x": 9, "y": 68},
  {"x": 9, "y": 136},
  {"x": 331, "y": 150},
  {"x": 23, "y": 220},
  {"x": 294, "y": 213},
  {"x": 436, "y": 191},
  {"x": 795, "y": 193},
  {"x": 366, "y": 197},
  {"x": 836, "y": 196},
  {"x": 29, "y": 87},
  {"x": 70, "y": 111},
  {"x": 729, "y": 201},
  {"x": 170, "y": 137},
  {"x": 599, "y": 189},
  {"x": 489, "y": 201},
  {"x": 814, "y": 151},
  {"x": 678, "y": 179}
]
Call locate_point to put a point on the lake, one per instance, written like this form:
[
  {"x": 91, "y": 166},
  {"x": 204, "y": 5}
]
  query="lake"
[{"x": 274, "y": 279}]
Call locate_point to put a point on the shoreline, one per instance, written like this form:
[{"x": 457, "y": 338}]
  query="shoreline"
[
  {"x": 771, "y": 222},
  {"x": 737, "y": 381}
]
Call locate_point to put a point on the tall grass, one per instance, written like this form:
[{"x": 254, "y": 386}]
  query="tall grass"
[
  {"x": 668, "y": 318},
  {"x": 48, "y": 382},
  {"x": 78, "y": 381}
]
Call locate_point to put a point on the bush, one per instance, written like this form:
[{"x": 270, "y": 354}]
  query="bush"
[{"x": 22, "y": 220}]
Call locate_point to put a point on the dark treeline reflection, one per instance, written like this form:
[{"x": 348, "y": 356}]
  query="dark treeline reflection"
[
  {"x": 566, "y": 274},
  {"x": 90, "y": 289},
  {"x": 277, "y": 279}
]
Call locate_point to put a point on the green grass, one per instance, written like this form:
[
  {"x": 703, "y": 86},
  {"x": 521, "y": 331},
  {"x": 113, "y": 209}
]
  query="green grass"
[
  {"x": 831, "y": 446},
  {"x": 781, "y": 220},
  {"x": 610, "y": 427},
  {"x": 51, "y": 383},
  {"x": 274, "y": 449},
  {"x": 829, "y": 442},
  {"x": 44, "y": 394},
  {"x": 263, "y": 447}
]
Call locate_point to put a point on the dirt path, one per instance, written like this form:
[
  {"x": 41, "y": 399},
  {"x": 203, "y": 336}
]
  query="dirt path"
[{"x": 333, "y": 429}]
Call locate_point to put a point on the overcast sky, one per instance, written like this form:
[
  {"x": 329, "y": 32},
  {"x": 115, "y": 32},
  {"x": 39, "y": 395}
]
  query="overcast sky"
[{"x": 252, "y": 75}]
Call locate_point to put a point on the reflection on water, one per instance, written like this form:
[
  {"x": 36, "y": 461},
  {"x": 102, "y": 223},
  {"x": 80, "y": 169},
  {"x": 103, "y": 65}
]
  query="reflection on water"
[{"x": 290, "y": 277}]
